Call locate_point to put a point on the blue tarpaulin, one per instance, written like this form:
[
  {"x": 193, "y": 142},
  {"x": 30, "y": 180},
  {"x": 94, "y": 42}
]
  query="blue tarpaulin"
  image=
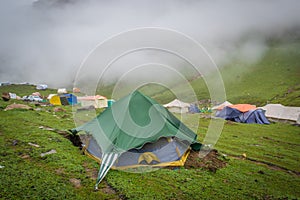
[{"x": 252, "y": 116}]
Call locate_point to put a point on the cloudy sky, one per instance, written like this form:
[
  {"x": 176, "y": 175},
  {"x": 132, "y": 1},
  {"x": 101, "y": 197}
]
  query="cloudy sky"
[{"x": 47, "y": 41}]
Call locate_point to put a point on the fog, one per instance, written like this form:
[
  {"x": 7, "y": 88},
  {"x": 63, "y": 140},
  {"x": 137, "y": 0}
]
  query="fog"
[{"x": 46, "y": 41}]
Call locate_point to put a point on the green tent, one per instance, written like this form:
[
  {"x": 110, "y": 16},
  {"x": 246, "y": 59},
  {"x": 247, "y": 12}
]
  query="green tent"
[{"x": 137, "y": 131}]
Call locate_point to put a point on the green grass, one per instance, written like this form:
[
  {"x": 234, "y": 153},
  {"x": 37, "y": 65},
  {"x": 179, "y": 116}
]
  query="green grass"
[
  {"x": 241, "y": 179},
  {"x": 277, "y": 144},
  {"x": 28, "y": 175},
  {"x": 49, "y": 177}
]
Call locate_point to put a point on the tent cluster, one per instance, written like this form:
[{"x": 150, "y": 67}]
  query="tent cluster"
[
  {"x": 64, "y": 98},
  {"x": 246, "y": 113},
  {"x": 243, "y": 113},
  {"x": 134, "y": 132}
]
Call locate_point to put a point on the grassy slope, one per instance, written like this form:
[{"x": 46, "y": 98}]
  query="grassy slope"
[
  {"x": 277, "y": 74},
  {"x": 50, "y": 176},
  {"x": 24, "y": 90},
  {"x": 273, "y": 79}
]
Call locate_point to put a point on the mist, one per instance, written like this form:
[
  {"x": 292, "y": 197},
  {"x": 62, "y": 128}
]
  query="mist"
[{"x": 46, "y": 41}]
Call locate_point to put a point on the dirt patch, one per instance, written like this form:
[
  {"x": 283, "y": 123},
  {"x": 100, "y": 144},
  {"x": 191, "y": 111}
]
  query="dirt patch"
[
  {"x": 25, "y": 156},
  {"x": 76, "y": 182},
  {"x": 18, "y": 106},
  {"x": 5, "y": 96},
  {"x": 75, "y": 139},
  {"x": 230, "y": 122},
  {"x": 91, "y": 172},
  {"x": 58, "y": 109},
  {"x": 212, "y": 161},
  {"x": 59, "y": 171},
  {"x": 108, "y": 189},
  {"x": 105, "y": 187}
]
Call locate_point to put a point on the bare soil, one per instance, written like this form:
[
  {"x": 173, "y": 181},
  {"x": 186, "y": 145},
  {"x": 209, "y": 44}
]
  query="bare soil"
[{"x": 212, "y": 161}]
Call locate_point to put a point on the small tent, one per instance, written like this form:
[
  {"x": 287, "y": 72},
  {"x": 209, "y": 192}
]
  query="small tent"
[
  {"x": 194, "y": 109},
  {"x": 59, "y": 100},
  {"x": 50, "y": 96},
  {"x": 136, "y": 131},
  {"x": 97, "y": 101},
  {"x": 41, "y": 87},
  {"x": 62, "y": 91},
  {"x": 221, "y": 106},
  {"x": 55, "y": 100},
  {"x": 243, "y": 113},
  {"x": 177, "y": 106},
  {"x": 278, "y": 112},
  {"x": 72, "y": 99},
  {"x": 76, "y": 90},
  {"x": 13, "y": 95},
  {"x": 37, "y": 94}
]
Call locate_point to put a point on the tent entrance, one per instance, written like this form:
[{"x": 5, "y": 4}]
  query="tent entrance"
[{"x": 164, "y": 152}]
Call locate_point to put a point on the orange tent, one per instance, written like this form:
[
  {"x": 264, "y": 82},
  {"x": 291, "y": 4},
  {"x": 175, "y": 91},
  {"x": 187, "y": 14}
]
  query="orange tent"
[{"x": 243, "y": 107}]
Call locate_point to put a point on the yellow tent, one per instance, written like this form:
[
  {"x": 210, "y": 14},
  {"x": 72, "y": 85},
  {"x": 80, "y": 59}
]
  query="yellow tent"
[{"x": 55, "y": 100}]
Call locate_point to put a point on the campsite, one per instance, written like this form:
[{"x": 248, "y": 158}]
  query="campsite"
[
  {"x": 41, "y": 159},
  {"x": 143, "y": 99}
]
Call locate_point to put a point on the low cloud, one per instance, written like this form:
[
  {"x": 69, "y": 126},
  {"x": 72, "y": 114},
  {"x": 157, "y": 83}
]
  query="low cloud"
[{"x": 45, "y": 41}]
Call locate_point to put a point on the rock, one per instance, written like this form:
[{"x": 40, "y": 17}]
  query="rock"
[
  {"x": 32, "y": 144},
  {"x": 49, "y": 152},
  {"x": 15, "y": 142},
  {"x": 25, "y": 156}
]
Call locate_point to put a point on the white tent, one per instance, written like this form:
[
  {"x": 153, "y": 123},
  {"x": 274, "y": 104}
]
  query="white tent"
[
  {"x": 41, "y": 87},
  {"x": 97, "y": 101},
  {"x": 177, "y": 106},
  {"x": 50, "y": 96},
  {"x": 282, "y": 113},
  {"x": 222, "y": 105},
  {"x": 12, "y": 95},
  {"x": 62, "y": 91}
]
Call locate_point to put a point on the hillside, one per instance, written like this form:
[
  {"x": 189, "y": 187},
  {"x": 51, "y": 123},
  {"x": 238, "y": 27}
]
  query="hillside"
[
  {"x": 24, "y": 90},
  {"x": 273, "y": 79}
]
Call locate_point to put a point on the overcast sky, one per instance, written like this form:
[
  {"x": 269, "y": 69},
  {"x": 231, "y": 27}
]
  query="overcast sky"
[{"x": 46, "y": 43}]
